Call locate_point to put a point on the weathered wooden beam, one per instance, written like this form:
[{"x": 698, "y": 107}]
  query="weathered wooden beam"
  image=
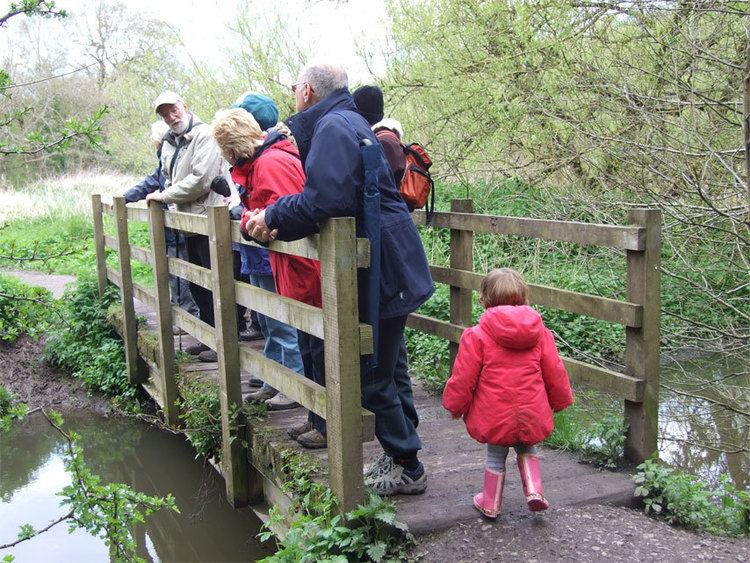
[
  {"x": 601, "y": 379},
  {"x": 101, "y": 256},
  {"x": 306, "y": 248},
  {"x": 163, "y": 307},
  {"x": 626, "y": 238},
  {"x": 444, "y": 329},
  {"x": 144, "y": 295},
  {"x": 461, "y": 258},
  {"x": 612, "y": 310},
  {"x": 342, "y": 361},
  {"x": 143, "y": 255},
  {"x": 188, "y": 222},
  {"x": 234, "y": 465},
  {"x": 138, "y": 214},
  {"x": 642, "y": 344},
  {"x": 126, "y": 293}
]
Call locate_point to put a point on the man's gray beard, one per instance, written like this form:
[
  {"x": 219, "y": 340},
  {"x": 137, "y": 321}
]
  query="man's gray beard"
[{"x": 180, "y": 128}]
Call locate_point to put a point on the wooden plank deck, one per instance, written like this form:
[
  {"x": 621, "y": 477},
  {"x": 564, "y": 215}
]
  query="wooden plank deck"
[{"x": 454, "y": 463}]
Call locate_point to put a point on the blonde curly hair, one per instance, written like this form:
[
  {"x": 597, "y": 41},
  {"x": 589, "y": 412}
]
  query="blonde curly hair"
[{"x": 237, "y": 131}]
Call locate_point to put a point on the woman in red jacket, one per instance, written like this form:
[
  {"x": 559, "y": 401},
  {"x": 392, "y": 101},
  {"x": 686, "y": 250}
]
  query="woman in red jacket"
[{"x": 507, "y": 381}]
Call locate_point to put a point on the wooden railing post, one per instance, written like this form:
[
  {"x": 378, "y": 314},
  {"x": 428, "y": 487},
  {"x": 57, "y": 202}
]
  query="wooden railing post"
[
  {"x": 338, "y": 261},
  {"x": 462, "y": 258},
  {"x": 130, "y": 329},
  {"x": 234, "y": 463},
  {"x": 160, "y": 267},
  {"x": 642, "y": 353},
  {"x": 101, "y": 256}
]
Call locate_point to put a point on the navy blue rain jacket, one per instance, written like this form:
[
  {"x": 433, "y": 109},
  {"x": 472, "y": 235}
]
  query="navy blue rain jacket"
[{"x": 331, "y": 156}]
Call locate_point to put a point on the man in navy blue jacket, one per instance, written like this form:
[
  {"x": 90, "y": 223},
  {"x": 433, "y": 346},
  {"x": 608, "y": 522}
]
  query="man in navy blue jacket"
[{"x": 328, "y": 131}]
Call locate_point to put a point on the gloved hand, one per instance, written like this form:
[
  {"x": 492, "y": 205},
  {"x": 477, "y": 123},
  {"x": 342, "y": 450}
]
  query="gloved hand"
[
  {"x": 235, "y": 214},
  {"x": 221, "y": 186}
]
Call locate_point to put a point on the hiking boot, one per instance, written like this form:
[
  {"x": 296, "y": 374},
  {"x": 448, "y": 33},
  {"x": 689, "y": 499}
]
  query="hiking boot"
[
  {"x": 312, "y": 440},
  {"x": 490, "y": 501},
  {"x": 261, "y": 395},
  {"x": 195, "y": 349},
  {"x": 531, "y": 476},
  {"x": 296, "y": 431},
  {"x": 281, "y": 403},
  {"x": 394, "y": 479},
  {"x": 254, "y": 382},
  {"x": 208, "y": 356},
  {"x": 375, "y": 467},
  {"x": 251, "y": 333}
]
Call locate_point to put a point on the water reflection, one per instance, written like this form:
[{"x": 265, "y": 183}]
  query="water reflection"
[
  {"x": 149, "y": 460},
  {"x": 705, "y": 418}
]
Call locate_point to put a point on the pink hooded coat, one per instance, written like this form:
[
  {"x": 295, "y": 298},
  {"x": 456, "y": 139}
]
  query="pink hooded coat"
[{"x": 508, "y": 378}]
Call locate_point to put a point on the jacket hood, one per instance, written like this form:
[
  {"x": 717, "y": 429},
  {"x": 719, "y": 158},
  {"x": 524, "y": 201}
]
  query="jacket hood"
[{"x": 513, "y": 326}]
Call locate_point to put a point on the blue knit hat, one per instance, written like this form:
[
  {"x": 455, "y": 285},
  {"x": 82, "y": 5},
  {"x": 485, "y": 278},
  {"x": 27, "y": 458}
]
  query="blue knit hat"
[{"x": 261, "y": 107}]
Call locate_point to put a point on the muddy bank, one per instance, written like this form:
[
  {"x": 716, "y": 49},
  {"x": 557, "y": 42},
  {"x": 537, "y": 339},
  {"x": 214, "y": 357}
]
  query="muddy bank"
[
  {"x": 38, "y": 384},
  {"x": 585, "y": 533}
]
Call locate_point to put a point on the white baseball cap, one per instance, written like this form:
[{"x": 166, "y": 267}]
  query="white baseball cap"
[{"x": 167, "y": 97}]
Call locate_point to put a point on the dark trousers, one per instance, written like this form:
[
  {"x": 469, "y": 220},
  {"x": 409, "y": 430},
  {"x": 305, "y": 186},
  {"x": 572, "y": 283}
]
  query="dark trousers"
[
  {"x": 403, "y": 385},
  {"x": 313, "y": 360},
  {"x": 199, "y": 254},
  {"x": 380, "y": 393}
]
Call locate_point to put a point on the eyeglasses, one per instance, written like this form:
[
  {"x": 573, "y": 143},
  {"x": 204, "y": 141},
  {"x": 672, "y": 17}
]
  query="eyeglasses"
[{"x": 294, "y": 86}]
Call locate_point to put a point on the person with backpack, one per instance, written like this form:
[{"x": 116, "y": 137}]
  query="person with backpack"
[
  {"x": 370, "y": 105},
  {"x": 336, "y": 146}
]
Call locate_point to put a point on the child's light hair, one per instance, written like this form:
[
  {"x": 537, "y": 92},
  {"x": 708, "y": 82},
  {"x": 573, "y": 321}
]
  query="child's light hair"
[
  {"x": 503, "y": 286},
  {"x": 236, "y": 130}
]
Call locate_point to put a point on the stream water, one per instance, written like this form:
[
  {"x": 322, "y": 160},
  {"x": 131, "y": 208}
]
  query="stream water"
[
  {"x": 704, "y": 417},
  {"x": 128, "y": 451}
]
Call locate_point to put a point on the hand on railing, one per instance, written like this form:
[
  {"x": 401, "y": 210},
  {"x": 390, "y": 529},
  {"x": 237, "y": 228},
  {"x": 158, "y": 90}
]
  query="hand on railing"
[{"x": 256, "y": 226}]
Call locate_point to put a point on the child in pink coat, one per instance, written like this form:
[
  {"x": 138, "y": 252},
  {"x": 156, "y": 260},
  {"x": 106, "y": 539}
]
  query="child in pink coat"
[{"x": 507, "y": 381}]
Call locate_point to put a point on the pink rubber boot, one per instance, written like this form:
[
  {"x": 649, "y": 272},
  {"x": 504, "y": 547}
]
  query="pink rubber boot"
[
  {"x": 531, "y": 476},
  {"x": 490, "y": 500}
]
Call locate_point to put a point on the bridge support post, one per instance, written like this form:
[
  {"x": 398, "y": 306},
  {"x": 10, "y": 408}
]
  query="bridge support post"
[
  {"x": 642, "y": 352},
  {"x": 461, "y": 258},
  {"x": 160, "y": 268},
  {"x": 130, "y": 329},
  {"x": 234, "y": 464},
  {"x": 101, "y": 256},
  {"x": 338, "y": 261}
]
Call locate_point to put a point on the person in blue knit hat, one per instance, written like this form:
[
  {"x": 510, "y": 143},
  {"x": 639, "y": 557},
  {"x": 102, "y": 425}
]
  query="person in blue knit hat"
[{"x": 261, "y": 107}]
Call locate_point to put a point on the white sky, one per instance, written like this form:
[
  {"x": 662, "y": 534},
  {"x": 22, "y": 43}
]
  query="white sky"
[{"x": 328, "y": 28}]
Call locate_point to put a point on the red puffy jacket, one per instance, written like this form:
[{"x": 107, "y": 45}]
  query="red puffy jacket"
[
  {"x": 508, "y": 378},
  {"x": 278, "y": 172}
]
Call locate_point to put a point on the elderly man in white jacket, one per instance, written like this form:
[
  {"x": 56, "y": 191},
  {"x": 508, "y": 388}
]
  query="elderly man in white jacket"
[{"x": 190, "y": 160}]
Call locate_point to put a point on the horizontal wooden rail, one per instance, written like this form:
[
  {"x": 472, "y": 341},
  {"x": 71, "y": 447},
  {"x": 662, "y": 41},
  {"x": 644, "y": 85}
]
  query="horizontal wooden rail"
[
  {"x": 306, "y": 248},
  {"x": 602, "y": 379},
  {"x": 187, "y": 222},
  {"x": 144, "y": 295},
  {"x": 443, "y": 329},
  {"x": 298, "y": 388},
  {"x": 612, "y": 310},
  {"x": 141, "y": 254},
  {"x": 622, "y": 237},
  {"x": 137, "y": 213}
]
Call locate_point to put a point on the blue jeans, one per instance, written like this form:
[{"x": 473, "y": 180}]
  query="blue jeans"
[{"x": 281, "y": 339}]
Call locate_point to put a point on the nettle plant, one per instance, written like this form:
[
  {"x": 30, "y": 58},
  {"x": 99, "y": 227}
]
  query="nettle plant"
[{"x": 685, "y": 500}]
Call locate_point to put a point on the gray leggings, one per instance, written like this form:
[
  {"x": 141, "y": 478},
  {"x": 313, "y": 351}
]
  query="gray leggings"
[{"x": 496, "y": 455}]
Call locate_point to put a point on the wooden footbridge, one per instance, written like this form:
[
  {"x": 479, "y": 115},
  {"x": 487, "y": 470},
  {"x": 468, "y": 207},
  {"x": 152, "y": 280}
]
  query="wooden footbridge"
[{"x": 252, "y": 467}]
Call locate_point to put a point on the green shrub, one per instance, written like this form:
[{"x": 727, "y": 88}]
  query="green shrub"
[
  {"x": 604, "y": 441},
  {"x": 318, "y": 532},
  {"x": 201, "y": 412},
  {"x": 683, "y": 499},
  {"x": 10, "y": 410},
  {"x": 86, "y": 345},
  {"x": 24, "y": 309}
]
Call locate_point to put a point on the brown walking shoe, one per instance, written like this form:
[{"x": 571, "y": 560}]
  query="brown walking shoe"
[
  {"x": 312, "y": 440},
  {"x": 295, "y": 431}
]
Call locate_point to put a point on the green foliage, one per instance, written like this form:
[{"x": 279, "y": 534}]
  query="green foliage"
[
  {"x": 86, "y": 344},
  {"x": 318, "y": 532},
  {"x": 683, "y": 499},
  {"x": 200, "y": 410},
  {"x": 9, "y": 409},
  {"x": 24, "y": 309},
  {"x": 107, "y": 511},
  {"x": 604, "y": 441}
]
